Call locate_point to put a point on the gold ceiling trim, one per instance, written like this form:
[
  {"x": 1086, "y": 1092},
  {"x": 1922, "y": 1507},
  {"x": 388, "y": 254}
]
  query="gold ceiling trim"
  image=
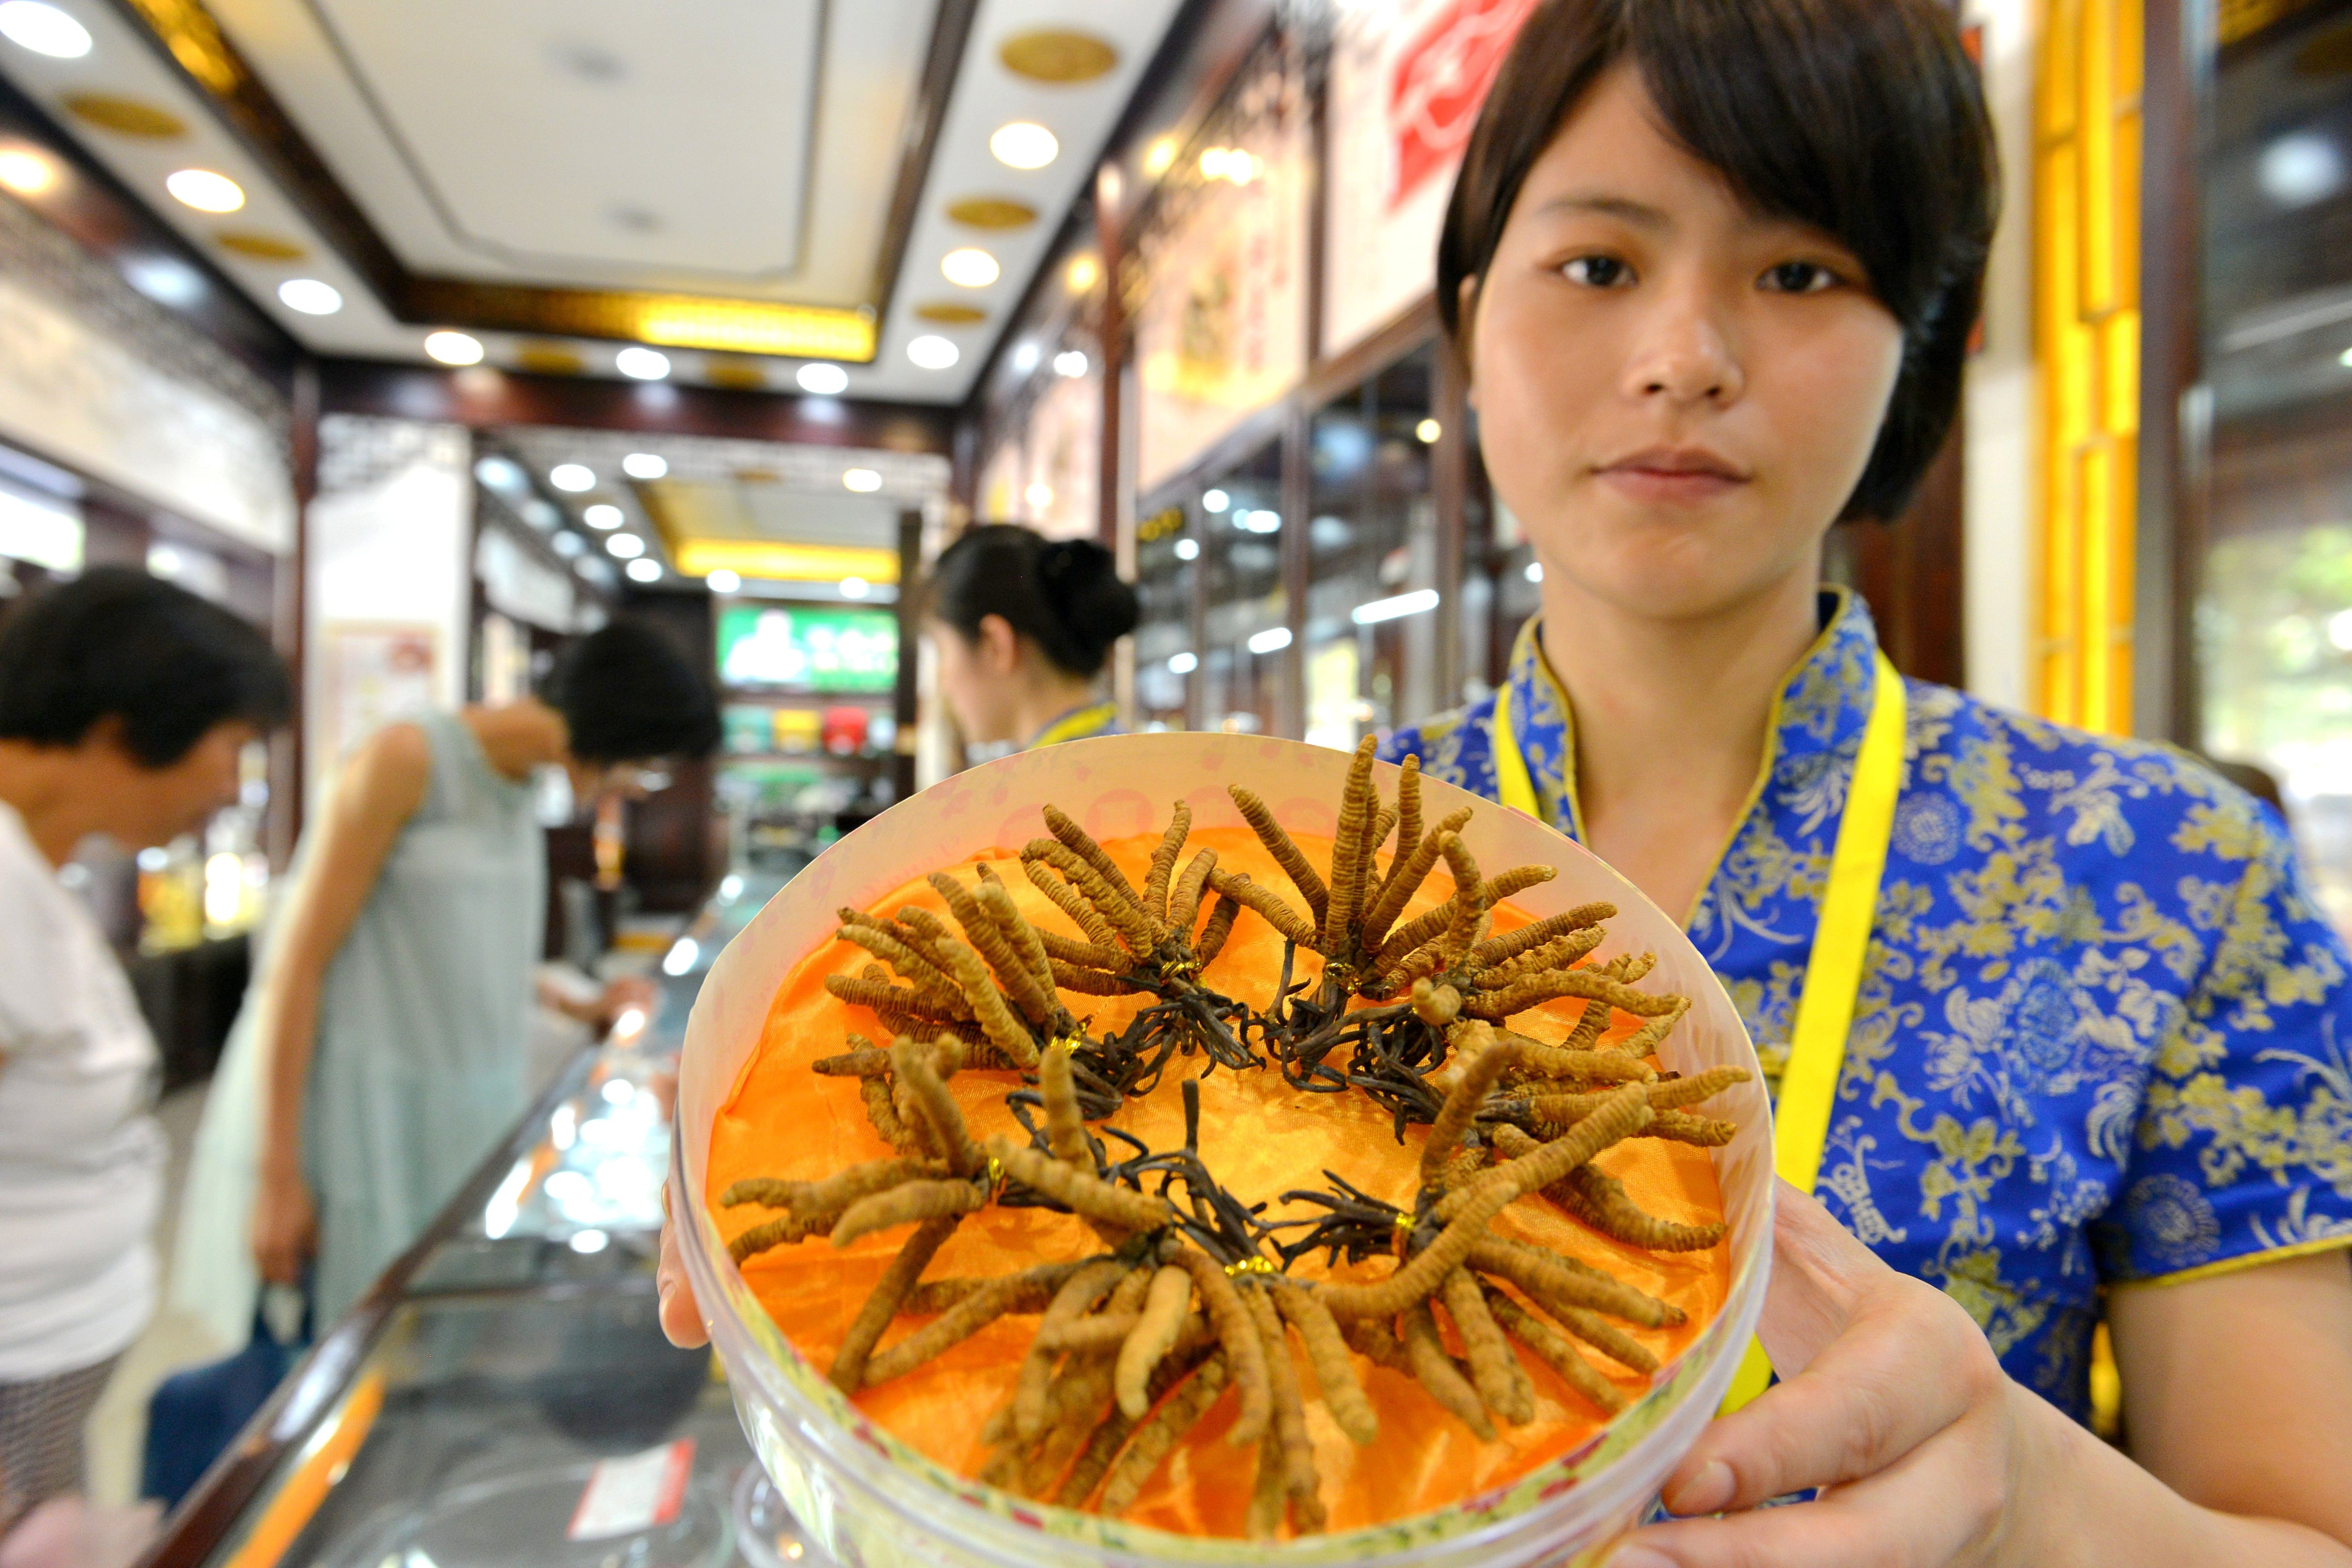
[
  {"x": 722, "y": 324},
  {"x": 1062, "y": 55},
  {"x": 256, "y": 246},
  {"x": 994, "y": 213},
  {"x": 949, "y": 313},
  {"x": 125, "y": 116}
]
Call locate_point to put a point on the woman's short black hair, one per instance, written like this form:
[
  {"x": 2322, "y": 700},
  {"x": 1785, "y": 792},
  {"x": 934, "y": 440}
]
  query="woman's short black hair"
[
  {"x": 1864, "y": 119},
  {"x": 113, "y": 643},
  {"x": 628, "y": 692},
  {"x": 1064, "y": 595}
]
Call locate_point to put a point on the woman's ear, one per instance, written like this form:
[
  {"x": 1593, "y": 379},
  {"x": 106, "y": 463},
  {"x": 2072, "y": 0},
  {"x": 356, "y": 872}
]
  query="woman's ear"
[{"x": 997, "y": 646}]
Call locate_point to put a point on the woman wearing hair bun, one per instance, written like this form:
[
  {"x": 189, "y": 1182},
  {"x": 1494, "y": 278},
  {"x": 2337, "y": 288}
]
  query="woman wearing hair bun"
[{"x": 1023, "y": 625}]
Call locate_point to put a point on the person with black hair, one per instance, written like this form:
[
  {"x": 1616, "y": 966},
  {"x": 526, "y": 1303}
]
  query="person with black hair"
[
  {"x": 380, "y": 1056},
  {"x": 2050, "y": 1020},
  {"x": 1022, "y": 627},
  {"x": 124, "y": 705}
]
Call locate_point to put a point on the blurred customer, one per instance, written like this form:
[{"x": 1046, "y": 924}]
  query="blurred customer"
[
  {"x": 381, "y": 1053},
  {"x": 124, "y": 703},
  {"x": 1023, "y": 626}
]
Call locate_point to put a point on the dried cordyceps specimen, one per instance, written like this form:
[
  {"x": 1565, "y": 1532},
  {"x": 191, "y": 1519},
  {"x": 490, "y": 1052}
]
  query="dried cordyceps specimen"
[{"x": 1189, "y": 1296}]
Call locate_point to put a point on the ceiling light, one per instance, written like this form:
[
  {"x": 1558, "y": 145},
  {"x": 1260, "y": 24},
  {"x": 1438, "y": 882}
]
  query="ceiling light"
[
  {"x": 1040, "y": 496},
  {"x": 43, "y": 30},
  {"x": 1183, "y": 664},
  {"x": 1084, "y": 273},
  {"x": 1419, "y": 602},
  {"x": 1023, "y": 145},
  {"x": 604, "y": 515},
  {"x": 568, "y": 544},
  {"x": 539, "y": 514},
  {"x": 1025, "y": 356},
  {"x": 1259, "y": 521},
  {"x": 501, "y": 475},
  {"x": 572, "y": 477},
  {"x": 1070, "y": 363},
  {"x": 823, "y": 380},
  {"x": 309, "y": 295},
  {"x": 2344, "y": 359},
  {"x": 1230, "y": 164},
  {"x": 1428, "y": 431},
  {"x": 969, "y": 268},
  {"x": 644, "y": 465},
  {"x": 2300, "y": 168},
  {"x": 27, "y": 173},
  {"x": 1535, "y": 571},
  {"x": 864, "y": 482},
  {"x": 856, "y": 587},
  {"x": 205, "y": 191},
  {"x": 645, "y": 571},
  {"x": 642, "y": 363},
  {"x": 723, "y": 581},
  {"x": 1273, "y": 639},
  {"x": 163, "y": 280},
  {"x": 1188, "y": 549},
  {"x": 454, "y": 348},
  {"x": 625, "y": 547},
  {"x": 930, "y": 351},
  {"x": 1215, "y": 501},
  {"x": 1161, "y": 156}
]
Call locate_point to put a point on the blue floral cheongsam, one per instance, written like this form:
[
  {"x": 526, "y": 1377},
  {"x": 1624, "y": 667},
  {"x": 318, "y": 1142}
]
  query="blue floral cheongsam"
[{"x": 2102, "y": 1029}]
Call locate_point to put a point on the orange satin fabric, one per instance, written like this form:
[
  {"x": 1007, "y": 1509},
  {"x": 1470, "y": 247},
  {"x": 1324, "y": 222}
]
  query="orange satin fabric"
[{"x": 1260, "y": 1137}]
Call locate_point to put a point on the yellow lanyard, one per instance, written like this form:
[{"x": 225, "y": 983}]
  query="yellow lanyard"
[
  {"x": 1801, "y": 1121},
  {"x": 1077, "y": 725}
]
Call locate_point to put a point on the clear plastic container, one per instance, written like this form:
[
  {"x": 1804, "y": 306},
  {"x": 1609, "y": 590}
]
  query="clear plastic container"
[{"x": 869, "y": 1501}]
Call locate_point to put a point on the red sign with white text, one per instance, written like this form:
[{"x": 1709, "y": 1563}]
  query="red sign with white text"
[{"x": 1441, "y": 80}]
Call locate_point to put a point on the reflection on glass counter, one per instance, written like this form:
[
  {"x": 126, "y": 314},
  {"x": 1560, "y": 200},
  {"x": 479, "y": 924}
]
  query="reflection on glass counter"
[{"x": 1245, "y": 618}]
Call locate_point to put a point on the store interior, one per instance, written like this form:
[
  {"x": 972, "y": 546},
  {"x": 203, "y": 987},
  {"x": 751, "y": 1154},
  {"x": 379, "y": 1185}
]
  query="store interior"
[{"x": 429, "y": 337}]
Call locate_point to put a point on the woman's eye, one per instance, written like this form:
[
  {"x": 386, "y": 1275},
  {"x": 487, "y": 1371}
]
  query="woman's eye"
[
  {"x": 1800, "y": 278},
  {"x": 1597, "y": 272}
]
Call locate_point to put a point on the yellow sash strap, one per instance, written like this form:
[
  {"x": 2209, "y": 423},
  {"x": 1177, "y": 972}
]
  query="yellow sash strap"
[
  {"x": 1078, "y": 724},
  {"x": 1832, "y": 973}
]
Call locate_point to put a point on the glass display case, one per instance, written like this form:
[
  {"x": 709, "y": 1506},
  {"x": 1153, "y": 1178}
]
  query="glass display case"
[
  {"x": 1167, "y": 644},
  {"x": 1244, "y": 614},
  {"x": 504, "y": 1395}
]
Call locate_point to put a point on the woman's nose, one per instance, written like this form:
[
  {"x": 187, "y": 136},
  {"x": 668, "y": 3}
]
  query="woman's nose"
[{"x": 1685, "y": 354}]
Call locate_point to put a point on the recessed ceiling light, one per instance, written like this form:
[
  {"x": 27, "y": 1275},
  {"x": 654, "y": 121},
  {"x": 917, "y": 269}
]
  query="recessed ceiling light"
[
  {"x": 1188, "y": 549},
  {"x": 864, "y": 482},
  {"x": 309, "y": 295},
  {"x": 501, "y": 475},
  {"x": 1085, "y": 272},
  {"x": 1070, "y": 363},
  {"x": 1025, "y": 356},
  {"x": 644, "y": 465},
  {"x": 823, "y": 380},
  {"x": 931, "y": 352},
  {"x": 205, "y": 191},
  {"x": 572, "y": 477},
  {"x": 1183, "y": 663},
  {"x": 1273, "y": 639},
  {"x": 856, "y": 587},
  {"x": 162, "y": 278},
  {"x": 604, "y": 515},
  {"x": 723, "y": 581},
  {"x": 1040, "y": 496},
  {"x": 1023, "y": 145},
  {"x": 568, "y": 544},
  {"x": 1428, "y": 431},
  {"x": 27, "y": 173},
  {"x": 644, "y": 571},
  {"x": 1161, "y": 156},
  {"x": 43, "y": 30},
  {"x": 454, "y": 348},
  {"x": 642, "y": 363},
  {"x": 625, "y": 547},
  {"x": 1215, "y": 501},
  {"x": 969, "y": 268}
]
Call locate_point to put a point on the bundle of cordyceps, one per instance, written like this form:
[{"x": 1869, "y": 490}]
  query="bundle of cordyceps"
[{"x": 1190, "y": 1293}]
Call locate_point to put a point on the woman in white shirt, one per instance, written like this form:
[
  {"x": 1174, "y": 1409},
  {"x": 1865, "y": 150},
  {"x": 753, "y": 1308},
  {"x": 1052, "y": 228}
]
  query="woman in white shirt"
[{"x": 124, "y": 702}]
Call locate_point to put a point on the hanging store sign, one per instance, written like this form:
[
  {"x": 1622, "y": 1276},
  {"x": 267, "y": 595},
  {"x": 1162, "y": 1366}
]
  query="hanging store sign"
[{"x": 1408, "y": 78}]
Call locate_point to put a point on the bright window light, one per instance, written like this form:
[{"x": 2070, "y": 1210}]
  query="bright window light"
[
  {"x": 2339, "y": 630},
  {"x": 44, "y": 534},
  {"x": 642, "y": 363},
  {"x": 625, "y": 547},
  {"x": 309, "y": 295},
  {"x": 969, "y": 268},
  {"x": 644, "y": 465},
  {"x": 1273, "y": 639},
  {"x": 574, "y": 478},
  {"x": 590, "y": 1242},
  {"x": 205, "y": 191},
  {"x": 1188, "y": 549},
  {"x": 1070, "y": 363},
  {"x": 645, "y": 570},
  {"x": 931, "y": 352},
  {"x": 454, "y": 348},
  {"x": 43, "y": 30},
  {"x": 823, "y": 380},
  {"x": 603, "y": 515},
  {"x": 1419, "y": 602},
  {"x": 1023, "y": 145},
  {"x": 856, "y": 587},
  {"x": 723, "y": 581},
  {"x": 864, "y": 482},
  {"x": 1183, "y": 664}
]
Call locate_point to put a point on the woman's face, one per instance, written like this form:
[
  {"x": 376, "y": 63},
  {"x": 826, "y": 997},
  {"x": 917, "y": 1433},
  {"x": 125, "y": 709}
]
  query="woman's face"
[
  {"x": 1676, "y": 394},
  {"x": 976, "y": 677}
]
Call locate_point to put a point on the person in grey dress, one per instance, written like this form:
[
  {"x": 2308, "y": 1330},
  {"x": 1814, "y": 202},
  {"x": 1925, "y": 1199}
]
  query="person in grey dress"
[{"x": 381, "y": 1056}]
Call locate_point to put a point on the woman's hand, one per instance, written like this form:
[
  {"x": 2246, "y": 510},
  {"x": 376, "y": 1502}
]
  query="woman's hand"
[
  {"x": 285, "y": 1228},
  {"x": 1890, "y": 1393},
  {"x": 681, "y": 1319}
]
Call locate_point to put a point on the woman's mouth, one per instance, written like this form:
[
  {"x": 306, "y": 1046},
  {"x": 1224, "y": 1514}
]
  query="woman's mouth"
[{"x": 1671, "y": 476}]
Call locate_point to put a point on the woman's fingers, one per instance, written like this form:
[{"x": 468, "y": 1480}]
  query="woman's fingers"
[{"x": 681, "y": 1318}]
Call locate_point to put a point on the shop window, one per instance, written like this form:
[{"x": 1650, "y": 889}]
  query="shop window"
[{"x": 1245, "y": 617}]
